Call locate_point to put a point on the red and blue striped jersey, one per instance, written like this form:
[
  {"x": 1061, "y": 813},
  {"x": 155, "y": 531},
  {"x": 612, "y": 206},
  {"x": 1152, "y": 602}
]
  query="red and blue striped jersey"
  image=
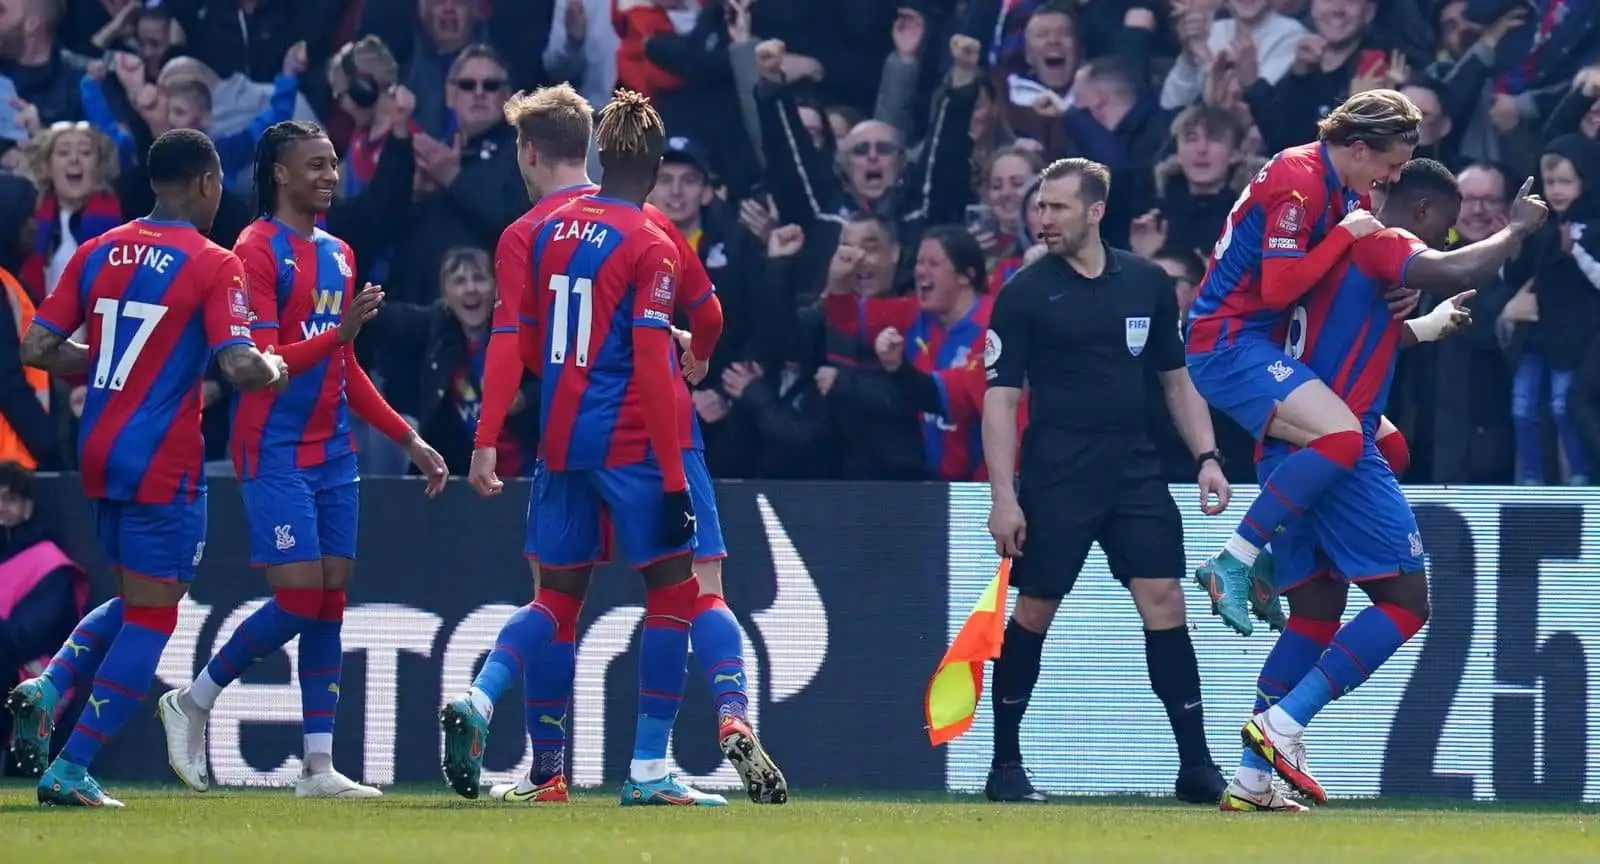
[
  {"x": 1343, "y": 329},
  {"x": 952, "y": 441},
  {"x": 164, "y": 299},
  {"x": 299, "y": 288},
  {"x": 600, "y": 269},
  {"x": 515, "y": 250},
  {"x": 1292, "y": 203}
]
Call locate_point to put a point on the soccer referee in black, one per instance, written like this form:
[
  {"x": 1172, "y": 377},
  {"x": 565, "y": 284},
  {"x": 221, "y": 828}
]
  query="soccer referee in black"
[{"x": 1082, "y": 328}]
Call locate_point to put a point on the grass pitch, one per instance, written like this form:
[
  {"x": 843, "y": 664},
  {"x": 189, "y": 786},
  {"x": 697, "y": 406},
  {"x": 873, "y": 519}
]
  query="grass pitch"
[{"x": 415, "y": 825}]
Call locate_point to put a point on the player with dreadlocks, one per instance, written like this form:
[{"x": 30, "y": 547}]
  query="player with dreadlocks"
[
  {"x": 295, "y": 455},
  {"x": 567, "y": 266}
]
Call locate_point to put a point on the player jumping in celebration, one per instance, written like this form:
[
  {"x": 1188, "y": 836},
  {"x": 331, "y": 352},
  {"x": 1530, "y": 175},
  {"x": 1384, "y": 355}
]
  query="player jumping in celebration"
[
  {"x": 603, "y": 281},
  {"x": 295, "y": 456},
  {"x": 164, "y": 300},
  {"x": 1362, "y": 530},
  {"x": 554, "y": 126},
  {"x": 1287, "y": 230}
]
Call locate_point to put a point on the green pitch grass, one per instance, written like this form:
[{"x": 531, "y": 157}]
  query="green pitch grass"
[{"x": 271, "y": 826}]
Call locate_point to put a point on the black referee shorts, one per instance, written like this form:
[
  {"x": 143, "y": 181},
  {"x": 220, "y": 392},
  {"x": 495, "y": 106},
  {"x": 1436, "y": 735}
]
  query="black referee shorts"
[{"x": 1135, "y": 521}]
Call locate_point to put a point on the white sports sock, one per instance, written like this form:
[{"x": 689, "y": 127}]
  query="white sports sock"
[
  {"x": 647, "y": 770},
  {"x": 1253, "y": 780},
  {"x": 1241, "y": 549},
  {"x": 481, "y": 703},
  {"x": 319, "y": 753},
  {"x": 204, "y": 691},
  {"x": 1279, "y": 721}
]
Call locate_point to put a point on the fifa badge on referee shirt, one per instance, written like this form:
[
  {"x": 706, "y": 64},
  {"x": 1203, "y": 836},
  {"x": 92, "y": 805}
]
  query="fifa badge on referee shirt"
[{"x": 1138, "y": 332}]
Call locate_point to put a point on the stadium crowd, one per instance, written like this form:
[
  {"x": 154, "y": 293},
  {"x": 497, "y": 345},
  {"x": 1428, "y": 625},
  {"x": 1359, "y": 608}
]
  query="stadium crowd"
[{"x": 823, "y": 152}]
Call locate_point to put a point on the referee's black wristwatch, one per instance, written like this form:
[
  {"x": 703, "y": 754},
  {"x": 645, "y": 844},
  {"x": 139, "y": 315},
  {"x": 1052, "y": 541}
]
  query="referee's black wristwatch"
[{"x": 1210, "y": 455}]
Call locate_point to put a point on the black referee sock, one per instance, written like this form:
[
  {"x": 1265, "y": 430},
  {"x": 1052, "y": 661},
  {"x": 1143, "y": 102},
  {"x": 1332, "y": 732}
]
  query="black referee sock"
[
  {"x": 1175, "y": 678},
  {"x": 1015, "y": 673}
]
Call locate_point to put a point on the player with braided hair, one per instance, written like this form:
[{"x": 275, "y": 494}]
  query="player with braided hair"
[
  {"x": 565, "y": 267},
  {"x": 554, "y": 127},
  {"x": 295, "y": 455}
]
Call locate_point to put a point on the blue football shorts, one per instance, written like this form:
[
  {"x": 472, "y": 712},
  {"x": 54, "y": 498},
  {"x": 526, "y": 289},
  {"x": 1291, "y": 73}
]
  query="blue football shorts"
[
  {"x": 156, "y": 541},
  {"x": 1360, "y": 529},
  {"x": 304, "y": 514},
  {"x": 1247, "y": 380},
  {"x": 709, "y": 542}
]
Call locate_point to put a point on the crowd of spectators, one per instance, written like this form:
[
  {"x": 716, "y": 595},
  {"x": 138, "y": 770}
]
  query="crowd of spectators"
[{"x": 822, "y": 151}]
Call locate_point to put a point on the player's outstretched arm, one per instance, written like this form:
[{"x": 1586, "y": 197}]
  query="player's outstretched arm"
[
  {"x": 1470, "y": 266},
  {"x": 371, "y": 407},
  {"x": 43, "y": 348},
  {"x": 249, "y": 369},
  {"x": 1448, "y": 318}
]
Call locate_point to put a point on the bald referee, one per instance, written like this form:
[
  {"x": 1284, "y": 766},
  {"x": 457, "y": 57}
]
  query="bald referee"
[{"x": 1090, "y": 329}]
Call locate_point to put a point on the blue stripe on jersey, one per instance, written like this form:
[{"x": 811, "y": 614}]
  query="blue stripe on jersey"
[
  {"x": 1239, "y": 259},
  {"x": 609, "y": 371},
  {"x": 289, "y": 412},
  {"x": 157, "y": 414},
  {"x": 282, "y": 253},
  {"x": 1356, "y": 303}
]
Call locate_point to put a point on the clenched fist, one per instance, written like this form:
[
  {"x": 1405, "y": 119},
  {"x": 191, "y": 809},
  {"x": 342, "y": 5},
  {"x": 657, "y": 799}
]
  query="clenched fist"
[{"x": 891, "y": 349}]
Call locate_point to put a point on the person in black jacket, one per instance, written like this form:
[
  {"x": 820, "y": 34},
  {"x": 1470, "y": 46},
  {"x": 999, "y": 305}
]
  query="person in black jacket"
[
  {"x": 433, "y": 355},
  {"x": 1566, "y": 307},
  {"x": 870, "y": 173},
  {"x": 734, "y": 258}
]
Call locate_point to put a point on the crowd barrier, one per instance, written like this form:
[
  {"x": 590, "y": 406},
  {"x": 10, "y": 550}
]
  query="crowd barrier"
[{"x": 848, "y": 595}]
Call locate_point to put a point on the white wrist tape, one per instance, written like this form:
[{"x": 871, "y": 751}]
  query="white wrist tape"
[{"x": 1430, "y": 327}]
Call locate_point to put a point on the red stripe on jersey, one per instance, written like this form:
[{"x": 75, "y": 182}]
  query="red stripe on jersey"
[
  {"x": 147, "y": 285},
  {"x": 1288, "y": 207},
  {"x": 308, "y": 282},
  {"x": 189, "y": 465},
  {"x": 589, "y": 260}
]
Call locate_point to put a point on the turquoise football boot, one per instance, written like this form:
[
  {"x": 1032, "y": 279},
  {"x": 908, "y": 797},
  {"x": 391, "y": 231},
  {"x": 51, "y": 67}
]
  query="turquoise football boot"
[
  {"x": 1227, "y": 580},
  {"x": 67, "y": 785},
  {"x": 32, "y": 705},
  {"x": 1265, "y": 603},
  {"x": 669, "y": 791},
  {"x": 466, "y": 735}
]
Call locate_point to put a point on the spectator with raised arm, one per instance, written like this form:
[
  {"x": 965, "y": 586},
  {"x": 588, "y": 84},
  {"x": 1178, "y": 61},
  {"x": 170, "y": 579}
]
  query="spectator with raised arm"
[
  {"x": 1252, "y": 29},
  {"x": 582, "y": 49},
  {"x": 467, "y": 186},
  {"x": 45, "y": 73}
]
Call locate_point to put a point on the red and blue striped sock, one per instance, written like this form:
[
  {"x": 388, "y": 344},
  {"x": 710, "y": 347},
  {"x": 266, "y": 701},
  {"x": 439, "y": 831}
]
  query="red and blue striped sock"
[
  {"x": 321, "y": 662},
  {"x": 1294, "y": 654},
  {"x": 1296, "y": 483},
  {"x": 522, "y": 639},
  {"x": 80, "y": 656},
  {"x": 1357, "y": 650},
  {"x": 663, "y": 666},
  {"x": 125, "y": 675},
  {"x": 547, "y": 687},
  {"x": 266, "y": 630},
  {"x": 719, "y": 649}
]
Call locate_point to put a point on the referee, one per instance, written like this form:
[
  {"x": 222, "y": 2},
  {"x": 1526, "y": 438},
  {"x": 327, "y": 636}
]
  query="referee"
[{"x": 1085, "y": 326}]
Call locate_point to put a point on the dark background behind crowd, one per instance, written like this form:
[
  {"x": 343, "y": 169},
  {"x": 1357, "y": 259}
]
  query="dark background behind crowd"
[{"x": 815, "y": 144}]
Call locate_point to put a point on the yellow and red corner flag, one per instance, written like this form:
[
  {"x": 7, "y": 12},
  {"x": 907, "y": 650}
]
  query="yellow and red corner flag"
[{"x": 957, "y": 684}]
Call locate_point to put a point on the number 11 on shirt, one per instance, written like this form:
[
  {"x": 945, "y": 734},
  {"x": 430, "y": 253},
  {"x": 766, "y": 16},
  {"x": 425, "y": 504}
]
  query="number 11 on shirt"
[{"x": 565, "y": 287}]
